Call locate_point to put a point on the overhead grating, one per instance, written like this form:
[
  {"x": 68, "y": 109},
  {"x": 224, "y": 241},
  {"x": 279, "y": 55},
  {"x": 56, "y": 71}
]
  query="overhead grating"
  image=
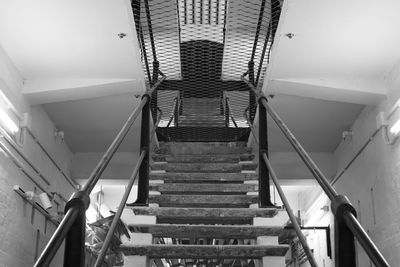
[{"x": 203, "y": 48}]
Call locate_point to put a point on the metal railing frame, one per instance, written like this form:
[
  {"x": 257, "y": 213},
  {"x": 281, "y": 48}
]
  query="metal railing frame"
[
  {"x": 72, "y": 227},
  {"x": 290, "y": 213},
  {"x": 229, "y": 113},
  {"x": 347, "y": 227}
]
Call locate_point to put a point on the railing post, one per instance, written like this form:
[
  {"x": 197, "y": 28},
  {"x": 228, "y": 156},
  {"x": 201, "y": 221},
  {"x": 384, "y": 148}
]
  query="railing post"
[
  {"x": 264, "y": 195},
  {"x": 252, "y": 95},
  {"x": 227, "y": 113},
  {"x": 176, "y": 112},
  {"x": 143, "y": 182},
  {"x": 156, "y": 68},
  {"x": 74, "y": 254},
  {"x": 345, "y": 254}
]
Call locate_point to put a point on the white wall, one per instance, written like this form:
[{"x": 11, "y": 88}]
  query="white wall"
[
  {"x": 120, "y": 166},
  {"x": 372, "y": 183},
  {"x": 23, "y": 230}
]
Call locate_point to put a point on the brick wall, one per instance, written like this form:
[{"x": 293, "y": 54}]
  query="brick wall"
[
  {"x": 372, "y": 183},
  {"x": 23, "y": 230}
]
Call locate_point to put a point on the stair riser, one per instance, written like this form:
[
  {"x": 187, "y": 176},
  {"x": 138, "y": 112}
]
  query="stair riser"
[{"x": 201, "y": 148}]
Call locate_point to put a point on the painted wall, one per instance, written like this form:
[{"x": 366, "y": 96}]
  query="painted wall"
[
  {"x": 23, "y": 230},
  {"x": 372, "y": 182}
]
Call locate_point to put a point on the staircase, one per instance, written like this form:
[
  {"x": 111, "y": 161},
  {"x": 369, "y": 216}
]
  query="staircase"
[
  {"x": 202, "y": 112},
  {"x": 203, "y": 211}
]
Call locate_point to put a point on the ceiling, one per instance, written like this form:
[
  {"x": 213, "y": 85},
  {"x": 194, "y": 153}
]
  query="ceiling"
[
  {"x": 68, "y": 52},
  {"x": 90, "y": 125},
  {"x": 339, "y": 49}
]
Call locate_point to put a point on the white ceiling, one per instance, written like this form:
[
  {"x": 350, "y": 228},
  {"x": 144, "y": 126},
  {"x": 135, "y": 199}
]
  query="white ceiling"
[
  {"x": 68, "y": 38},
  {"x": 341, "y": 38},
  {"x": 90, "y": 125},
  {"x": 344, "y": 40},
  {"x": 318, "y": 76}
]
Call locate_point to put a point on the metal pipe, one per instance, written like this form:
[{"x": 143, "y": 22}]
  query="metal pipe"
[
  {"x": 25, "y": 171},
  {"x": 173, "y": 112},
  {"x": 153, "y": 47},
  {"x": 69, "y": 180},
  {"x": 252, "y": 129},
  {"x": 95, "y": 175},
  {"x": 263, "y": 54},
  {"x": 289, "y": 211},
  {"x": 317, "y": 173},
  {"x": 12, "y": 143},
  {"x": 153, "y": 130},
  {"x": 337, "y": 177},
  {"x": 230, "y": 112},
  {"x": 117, "y": 216},
  {"x": 21, "y": 192},
  {"x": 365, "y": 241},
  {"x": 258, "y": 29},
  {"x": 57, "y": 238},
  {"x": 146, "y": 61}
]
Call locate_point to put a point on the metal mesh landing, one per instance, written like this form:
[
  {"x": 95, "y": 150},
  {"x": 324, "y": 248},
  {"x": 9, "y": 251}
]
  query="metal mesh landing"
[{"x": 204, "y": 47}]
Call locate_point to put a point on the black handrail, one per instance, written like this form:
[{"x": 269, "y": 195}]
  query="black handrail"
[
  {"x": 346, "y": 224},
  {"x": 252, "y": 129},
  {"x": 230, "y": 113},
  {"x": 117, "y": 216},
  {"x": 289, "y": 211},
  {"x": 174, "y": 111},
  {"x": 72, "y": 227}
]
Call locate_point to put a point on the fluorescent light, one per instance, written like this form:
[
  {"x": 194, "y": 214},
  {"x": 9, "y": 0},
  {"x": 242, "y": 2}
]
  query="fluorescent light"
[
  {"x": 395, "y": 129},
  {"x": 8, "y": 122}
]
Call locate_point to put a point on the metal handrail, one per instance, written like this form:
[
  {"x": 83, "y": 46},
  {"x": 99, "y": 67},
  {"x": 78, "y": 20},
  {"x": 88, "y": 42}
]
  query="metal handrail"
[
  {"x": 289, "y": 211},
  {"x": 230, "y": 113},
  {"x": 80, "y": 200},
  {"x": 173, "y": 110},
  {"x": 337, "y": 201},
  {"x": 250, "y": 124},
  {"x": 153, "y": 130},
  {"x": 117, "y": 216}
]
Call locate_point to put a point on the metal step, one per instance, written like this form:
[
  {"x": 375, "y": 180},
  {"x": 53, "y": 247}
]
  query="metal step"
[
  {"x": 203, "y": 167},
  {"x": 199, "y": 177},
  {"x": 191, "y": 188},
  {"x": 206, "y": 201},
  {"x": 206, "y": 231},
  {"x": 205, "y": 215},
  {"x": 205, "y": 251},
  {"x": 202, "y": 158}
]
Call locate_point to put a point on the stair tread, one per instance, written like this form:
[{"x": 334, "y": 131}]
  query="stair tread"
[
  {"x": 217, "y": 213},
  {"x": 203, "y": 167},
  {"x": 205, "y": 251},
  {"x": 202, "y": 158},
  {"x": 203, "y": 200},
  {"x": 199, "y": 176},
  {"x": 209, "y": 188},
  {"x": 206, "y": 231}
]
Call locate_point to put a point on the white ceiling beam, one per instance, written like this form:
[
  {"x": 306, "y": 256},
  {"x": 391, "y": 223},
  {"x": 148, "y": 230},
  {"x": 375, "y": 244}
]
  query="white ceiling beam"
[
  {"x": 356, "y": 91},
  {"x": 60, "y": 90}
]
